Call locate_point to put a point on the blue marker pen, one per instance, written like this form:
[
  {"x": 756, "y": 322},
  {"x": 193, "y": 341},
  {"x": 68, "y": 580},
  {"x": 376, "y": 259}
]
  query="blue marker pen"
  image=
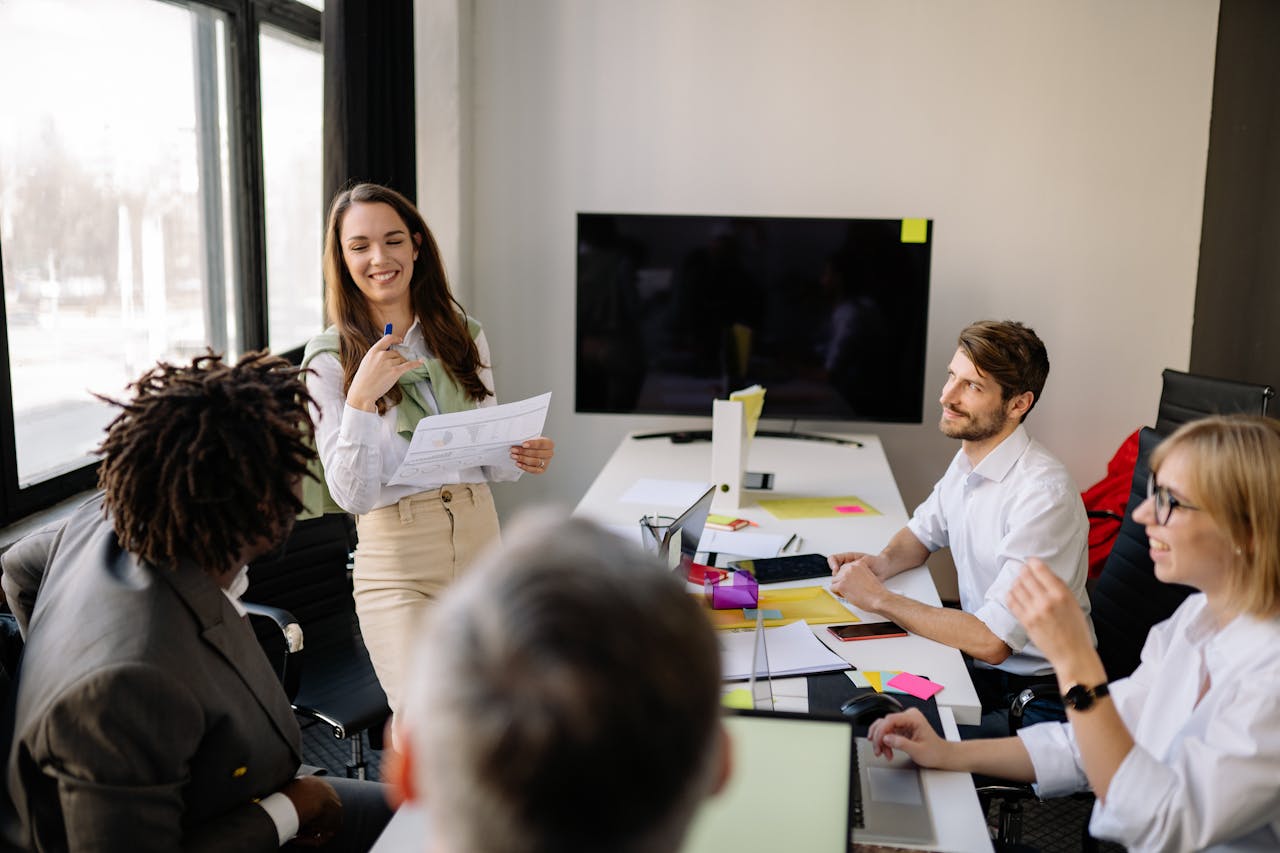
[{"x": 387, "y": 330}]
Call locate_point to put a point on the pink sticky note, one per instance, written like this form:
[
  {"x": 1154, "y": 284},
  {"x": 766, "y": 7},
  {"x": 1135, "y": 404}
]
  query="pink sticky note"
[
  {"x": 921, "y": 688},
  {"x": 853, "y": 508}
]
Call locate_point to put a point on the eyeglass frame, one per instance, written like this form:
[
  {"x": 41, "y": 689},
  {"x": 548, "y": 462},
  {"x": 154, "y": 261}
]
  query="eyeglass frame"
[{"x": 1169, "y": 500}]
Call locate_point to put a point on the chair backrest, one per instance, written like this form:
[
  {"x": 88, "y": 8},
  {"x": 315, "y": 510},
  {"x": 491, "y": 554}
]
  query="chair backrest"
[
  {"x": 1186, "y": 396},
  {"x": 1128, "y": 598},
  {"x": 309, "y": 577}
]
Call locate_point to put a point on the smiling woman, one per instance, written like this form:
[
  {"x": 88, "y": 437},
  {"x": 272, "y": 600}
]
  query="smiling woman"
[{"x": 400, "y": 349}]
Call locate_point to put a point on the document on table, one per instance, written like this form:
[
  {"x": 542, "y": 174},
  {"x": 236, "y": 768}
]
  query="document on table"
[
  {"x": 444, "y": 444},
  {"x": 793, "y": 650},
  {"x": 741, "y": 543}
]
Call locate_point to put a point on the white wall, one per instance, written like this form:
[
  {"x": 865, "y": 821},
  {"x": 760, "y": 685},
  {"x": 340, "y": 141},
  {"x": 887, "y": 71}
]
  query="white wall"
[{"x": 1059, "y": 147}]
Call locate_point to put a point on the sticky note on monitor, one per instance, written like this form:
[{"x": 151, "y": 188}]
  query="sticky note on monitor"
[{"x": 915, "y": 230}]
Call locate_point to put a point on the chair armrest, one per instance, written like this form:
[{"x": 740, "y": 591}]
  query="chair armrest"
[
  {"x": 1045, "y": 690},
  {"x": 1104, "y": 513},
  {"x": 281, "y": 638}
]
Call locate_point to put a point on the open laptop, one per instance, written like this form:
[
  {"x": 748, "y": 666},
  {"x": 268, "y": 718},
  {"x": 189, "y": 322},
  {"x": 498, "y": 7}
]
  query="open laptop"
[{"x": 848, "y": 794}]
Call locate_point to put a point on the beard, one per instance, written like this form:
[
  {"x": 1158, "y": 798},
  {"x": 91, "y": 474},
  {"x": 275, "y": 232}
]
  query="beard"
[{"x": 973, "y": 427}]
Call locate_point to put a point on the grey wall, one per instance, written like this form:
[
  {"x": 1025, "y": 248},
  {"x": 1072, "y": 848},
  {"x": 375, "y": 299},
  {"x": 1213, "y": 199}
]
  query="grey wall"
[{"x": 1059, "y": 147}]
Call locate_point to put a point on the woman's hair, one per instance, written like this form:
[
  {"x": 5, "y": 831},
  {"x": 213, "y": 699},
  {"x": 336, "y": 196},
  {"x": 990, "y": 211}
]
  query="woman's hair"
[
  {"x": 203, "y": 464},
  {"x": 444, "y": 323},
  {"x": 1235, "y": 476}
]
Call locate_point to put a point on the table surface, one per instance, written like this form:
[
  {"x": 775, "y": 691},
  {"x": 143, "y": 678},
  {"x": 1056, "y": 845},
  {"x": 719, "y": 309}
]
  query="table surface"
[{"x": 804, "y": 468}]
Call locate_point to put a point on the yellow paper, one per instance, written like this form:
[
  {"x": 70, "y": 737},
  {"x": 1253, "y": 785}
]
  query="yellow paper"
[
  {"x": 752, "y": 400},
  {"x": 739, "y": 698},
  {"x": 813, "y": 604},
  {"x": 873, "y": 678},
  {"x": 915, "y": 230},
  {"x": 839, "y": 507}
]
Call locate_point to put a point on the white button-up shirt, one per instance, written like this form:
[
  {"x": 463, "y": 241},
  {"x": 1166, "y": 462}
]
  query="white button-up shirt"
[
  {"x": 362, "y": 450},
  {"x": 1199, "y": 777},
  {"x": 1019, "y": 502}
]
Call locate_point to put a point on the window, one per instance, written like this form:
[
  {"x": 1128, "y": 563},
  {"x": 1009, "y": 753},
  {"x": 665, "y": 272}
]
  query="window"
[{"x": 133, "y": 225}]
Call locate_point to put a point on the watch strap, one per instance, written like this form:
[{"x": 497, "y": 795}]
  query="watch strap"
[{"x": 1081, "y": 698}]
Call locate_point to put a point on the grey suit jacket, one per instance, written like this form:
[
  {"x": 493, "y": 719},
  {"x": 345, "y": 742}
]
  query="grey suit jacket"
[{"x": 147, "y": 715}]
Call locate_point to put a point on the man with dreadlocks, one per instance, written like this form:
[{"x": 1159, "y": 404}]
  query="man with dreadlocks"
[{"x": 147, "y": 715}]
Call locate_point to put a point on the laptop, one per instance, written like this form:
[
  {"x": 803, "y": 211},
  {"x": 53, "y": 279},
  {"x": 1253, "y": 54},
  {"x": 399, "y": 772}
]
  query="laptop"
[
  {"x": 807, "y": 783},
  {"x": 849, "y": 794},
  {"x": 684, "y": 533}
]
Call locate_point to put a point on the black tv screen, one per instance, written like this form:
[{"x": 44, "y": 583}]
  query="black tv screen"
[{"x": 829, "y": 315}]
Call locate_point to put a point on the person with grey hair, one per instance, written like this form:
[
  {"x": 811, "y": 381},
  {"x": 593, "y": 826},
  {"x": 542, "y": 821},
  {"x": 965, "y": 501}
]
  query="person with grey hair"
[{"x": 566, "y": 698}]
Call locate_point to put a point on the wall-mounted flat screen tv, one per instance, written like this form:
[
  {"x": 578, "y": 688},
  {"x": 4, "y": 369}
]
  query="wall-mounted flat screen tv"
[{"x": 829, "y": 315}]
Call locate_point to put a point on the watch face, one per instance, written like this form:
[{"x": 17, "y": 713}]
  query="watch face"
[{"x": 1079, "y": 697}]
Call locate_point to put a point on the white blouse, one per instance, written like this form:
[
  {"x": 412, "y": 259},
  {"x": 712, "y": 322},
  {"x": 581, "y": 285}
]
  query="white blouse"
[
  {"x": 1199, "y": 777},
  {"x": 362, "y": 450}
]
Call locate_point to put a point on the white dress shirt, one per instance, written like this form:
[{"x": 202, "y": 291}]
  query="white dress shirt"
[
  {"x": 1019, "y": 502},
  {"x": 362, "y": 450},
  {"x": 1199, "y": 777}
]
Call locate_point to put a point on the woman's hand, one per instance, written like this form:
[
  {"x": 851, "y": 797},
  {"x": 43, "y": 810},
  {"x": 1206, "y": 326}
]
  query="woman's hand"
[
  {"x": 534, "y": 455},
  {"x": 380, "y": 369},
  {"x": 910, "y": 732},
  {"x": 1050, "y": 613}
]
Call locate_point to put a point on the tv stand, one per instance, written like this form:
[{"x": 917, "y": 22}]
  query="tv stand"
[{"x": 689, "y": 436}]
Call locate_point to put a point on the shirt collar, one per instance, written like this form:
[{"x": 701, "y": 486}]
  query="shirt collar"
[
  {"x": 237, "y": 588},
  {"x": 1000, "y": 461}
]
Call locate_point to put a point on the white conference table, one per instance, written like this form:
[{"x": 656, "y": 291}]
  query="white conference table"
[{"x": 804, "y": 468}]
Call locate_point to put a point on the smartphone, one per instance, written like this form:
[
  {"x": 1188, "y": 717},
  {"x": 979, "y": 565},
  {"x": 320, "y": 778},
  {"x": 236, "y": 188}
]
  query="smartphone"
[
  {"x": 757, "y": 480},
  {"x": 868, "y": 630}
]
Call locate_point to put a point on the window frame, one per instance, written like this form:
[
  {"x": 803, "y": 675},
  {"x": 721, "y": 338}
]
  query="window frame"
[{"x": 244, "y": 18}]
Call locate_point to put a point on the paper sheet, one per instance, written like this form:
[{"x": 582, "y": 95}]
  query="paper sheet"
[
  {"x": 752, "y": 400},
  {"x": 846, "y": 506},
  {"x": 792, "y": 650},
  {"x": 742, "y": 544},
  {"x": 445, "y": 444},
  {"x": 665, "y": 493}
]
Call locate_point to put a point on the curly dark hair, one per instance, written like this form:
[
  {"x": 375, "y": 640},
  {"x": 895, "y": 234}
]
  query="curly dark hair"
[{"x": 205, "y": 462}]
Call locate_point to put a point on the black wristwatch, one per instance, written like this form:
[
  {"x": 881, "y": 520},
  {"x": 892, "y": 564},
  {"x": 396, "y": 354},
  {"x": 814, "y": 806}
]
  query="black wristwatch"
[{"x": 1081, "y": 698}]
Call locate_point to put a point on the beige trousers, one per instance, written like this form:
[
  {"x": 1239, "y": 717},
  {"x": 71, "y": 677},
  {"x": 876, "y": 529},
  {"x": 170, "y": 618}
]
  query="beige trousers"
[{"x": 407, "y": 554}]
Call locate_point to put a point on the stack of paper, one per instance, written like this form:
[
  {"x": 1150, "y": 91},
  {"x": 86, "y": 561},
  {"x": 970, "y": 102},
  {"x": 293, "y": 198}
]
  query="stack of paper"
[{"x": 792, "y": 650}]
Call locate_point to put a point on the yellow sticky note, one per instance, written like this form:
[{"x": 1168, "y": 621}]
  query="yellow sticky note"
[
  {"x": 915, "y": 230},
  {"x": 845, "y": 506},
  {"x": 740, "y": 699},
  {"x": 873, "y": 678}
]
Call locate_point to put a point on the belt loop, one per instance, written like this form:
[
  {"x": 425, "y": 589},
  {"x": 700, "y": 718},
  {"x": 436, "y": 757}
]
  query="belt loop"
[{"x": 406, "y": 510}]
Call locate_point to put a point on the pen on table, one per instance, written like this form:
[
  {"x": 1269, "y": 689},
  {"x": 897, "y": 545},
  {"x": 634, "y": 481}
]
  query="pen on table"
[{"x": 794, "y": 538}]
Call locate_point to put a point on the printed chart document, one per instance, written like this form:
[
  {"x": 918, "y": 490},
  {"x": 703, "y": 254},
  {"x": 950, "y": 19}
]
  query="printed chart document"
[{"x": 444, "y": 444}]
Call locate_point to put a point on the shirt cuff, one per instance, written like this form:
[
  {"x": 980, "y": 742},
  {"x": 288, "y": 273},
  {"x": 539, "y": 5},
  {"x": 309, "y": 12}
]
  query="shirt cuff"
[
  {"x": 1053, "y": 755},
  {"x": 280, "y": 809},
  {"x": 918, "y": 530},
  {"x": 359, "y": 426},
  {"x": 1002, "y": 623},
  {"x": 1138, "y": 782}
]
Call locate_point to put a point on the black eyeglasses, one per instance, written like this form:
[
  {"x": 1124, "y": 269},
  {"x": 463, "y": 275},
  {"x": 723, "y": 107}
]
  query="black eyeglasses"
[{"x": 1166, "y": 503}]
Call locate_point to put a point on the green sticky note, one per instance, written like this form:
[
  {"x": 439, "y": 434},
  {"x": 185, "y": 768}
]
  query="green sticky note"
[
  {"x": 915, "y": 230},
  {"x": 739, "y": 698}
]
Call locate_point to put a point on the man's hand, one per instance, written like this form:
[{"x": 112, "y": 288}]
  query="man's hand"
[
  {"x": 857, "y": 583},
  {"x": 319, "y": 810},
  {"x": 877, "y": 563}
]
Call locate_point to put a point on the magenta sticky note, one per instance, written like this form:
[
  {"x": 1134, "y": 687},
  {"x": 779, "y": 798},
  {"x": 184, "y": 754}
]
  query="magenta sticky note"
[
  {"x": 921, "y": 688},
  {"x": 853, "y": 508}
]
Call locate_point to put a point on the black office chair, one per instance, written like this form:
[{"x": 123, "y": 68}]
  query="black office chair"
[
  {"x": 301, "y": 606},
  {"x": 1187, "y": 396}
]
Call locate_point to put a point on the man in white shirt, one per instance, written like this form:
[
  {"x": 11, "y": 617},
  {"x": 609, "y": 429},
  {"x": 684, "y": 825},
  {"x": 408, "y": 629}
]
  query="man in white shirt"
[{"x": 1003, "y": 499}]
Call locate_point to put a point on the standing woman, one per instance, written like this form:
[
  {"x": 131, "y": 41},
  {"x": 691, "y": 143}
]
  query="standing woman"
[
  {"x": 382, "y": 269},
  {"x": 1184, "y": 754}
]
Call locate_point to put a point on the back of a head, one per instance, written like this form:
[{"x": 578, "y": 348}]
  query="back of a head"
[
  {"x": 202, "y": 464},
  {"x": 1010, "y": 353},
  {"x": 567, "y": 699}
]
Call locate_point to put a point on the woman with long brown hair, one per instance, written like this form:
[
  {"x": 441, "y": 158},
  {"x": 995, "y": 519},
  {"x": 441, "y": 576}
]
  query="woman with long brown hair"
[{"x": 383, "y": 271}]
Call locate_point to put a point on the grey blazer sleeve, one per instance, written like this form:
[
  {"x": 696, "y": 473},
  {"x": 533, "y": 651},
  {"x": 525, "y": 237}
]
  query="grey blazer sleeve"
[
  {"x": 24, "y": 564},
  {"x": 122, "y": 777}
]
